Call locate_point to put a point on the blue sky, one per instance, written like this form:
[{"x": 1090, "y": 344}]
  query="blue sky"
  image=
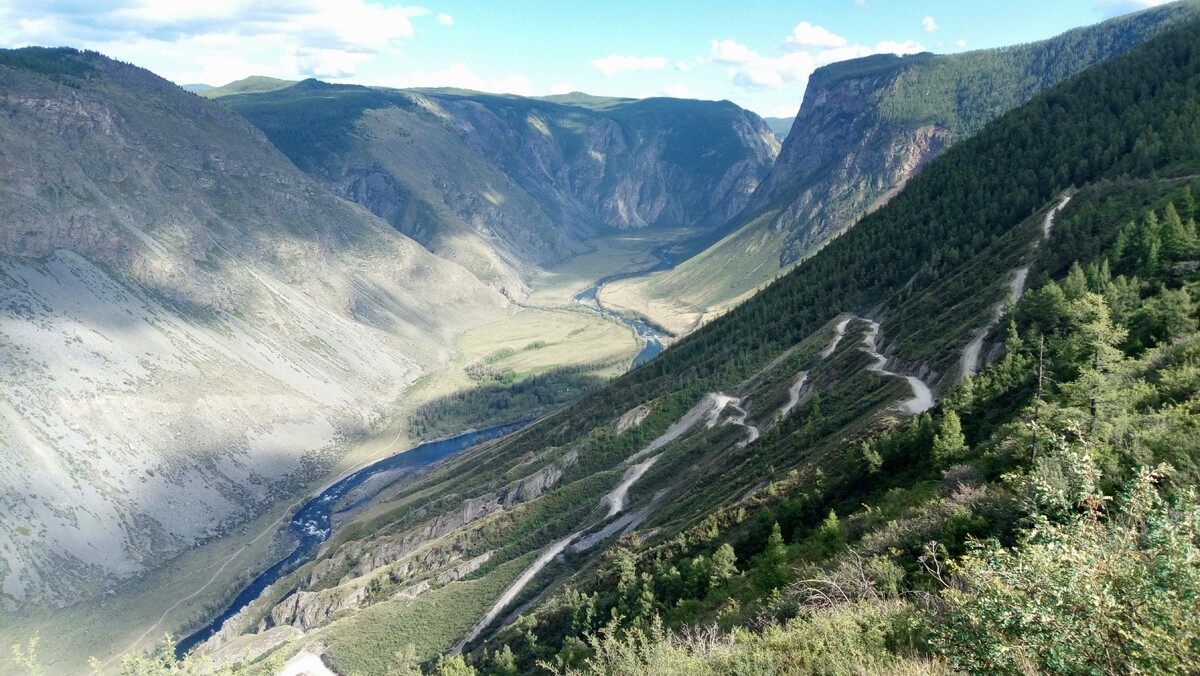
[{"x": 757, "y": 53}]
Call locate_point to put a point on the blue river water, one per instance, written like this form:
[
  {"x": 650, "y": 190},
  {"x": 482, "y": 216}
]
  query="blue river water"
[
  {"x": 312, "y": 525},
  {"x": 653, "y": 336}
]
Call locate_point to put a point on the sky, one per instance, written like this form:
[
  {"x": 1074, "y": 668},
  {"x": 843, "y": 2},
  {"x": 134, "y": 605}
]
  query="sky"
[{"x": 756, "y": 53}]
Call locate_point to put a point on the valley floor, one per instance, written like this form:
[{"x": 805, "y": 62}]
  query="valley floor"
[{"x": 546, "y": 331}]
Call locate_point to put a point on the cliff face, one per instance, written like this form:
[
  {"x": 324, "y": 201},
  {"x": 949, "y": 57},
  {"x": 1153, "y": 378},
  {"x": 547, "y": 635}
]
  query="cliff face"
[
  {"x": 499, "y": 183},
  {"x": 864, "y": 128},
  {"x": 189, "y": 326},
  {"x": 842, "y": 157}
]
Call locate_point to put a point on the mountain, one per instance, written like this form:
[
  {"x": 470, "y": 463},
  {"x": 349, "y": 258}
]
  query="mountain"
[
  {"x": 811, "y": 474},
  {"x": 505, "y": 184},
  {"x": 866, "y": 126},
  {"x": 248, "y": 85},
  {"x": 780, "y": 126},
  {"x": 191, "y": 329}
]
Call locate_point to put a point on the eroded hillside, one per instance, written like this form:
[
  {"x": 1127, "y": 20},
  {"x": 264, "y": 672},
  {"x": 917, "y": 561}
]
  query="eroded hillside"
[
  {"x": 191, "y": 328},
  {"x": 865, "y": 127}
]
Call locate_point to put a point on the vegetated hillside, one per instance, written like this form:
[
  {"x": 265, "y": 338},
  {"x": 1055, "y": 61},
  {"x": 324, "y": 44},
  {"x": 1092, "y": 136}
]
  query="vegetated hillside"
[
  {"x": 780, "y": 126},
  {"x": 190, "y": 328},
  {"x": 866, "y": 126},
  {"x": 247, "y": 85},
  {"x": 781, "y": 475},
  {"x": 499, "y": 183}
]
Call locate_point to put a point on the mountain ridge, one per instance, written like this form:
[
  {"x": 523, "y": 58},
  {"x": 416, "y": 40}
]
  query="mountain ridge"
[
  {"x": 518, "y": 182},
  {"x": 866, "y": 126}
]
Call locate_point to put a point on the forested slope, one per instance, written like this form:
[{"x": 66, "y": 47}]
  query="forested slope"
[
  {"x": 866, "y": 126},
  {"x": 786, "y": 500}
]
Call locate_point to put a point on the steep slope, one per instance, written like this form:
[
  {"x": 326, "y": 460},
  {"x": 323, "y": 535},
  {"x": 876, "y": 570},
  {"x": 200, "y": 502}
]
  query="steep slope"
[
  {"x": 501, "y": 183},
  {"x": 812, "y": 398},
  {"x": 190, "y": 328},
  {"x": 866, "y": 126},
  {"x": 780, "y": 126}
]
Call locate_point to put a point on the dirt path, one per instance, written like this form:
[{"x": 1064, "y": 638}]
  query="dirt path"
[
  {"x": 723, "y": 401},
  {"x": 837, "y": 338},
  {"x": 794, "y": 394},
  {"x": 305, "y": 664},
  {"x": 515, "y": 588},
  {"x": 1048, "y": 222},
  {"x": 922, "y": 399},
  {"x": 616, "y": 498},
  {"x": 685, "y": 423},
  {"x": 969, "y": 364},
  {"x": 709, "y": 406}
]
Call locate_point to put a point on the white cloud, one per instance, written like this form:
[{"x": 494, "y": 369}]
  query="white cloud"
[
  {"x": 828, "y": 56},
  {"x": 461, "y": 76},
  {"x": 760, "y": 72},
  {"x": 906, "y": 47},
  {"x": 330, "y": 38},
  {"x": 929, "y": 25},
  {"x": 774, "y": 73},
  {"x": 616, "y": 63},
  {"x": 807, "y": 36},
  {"x": 960, "y": 43},
  {"x": 781, "y": 110},
  {"x": 679, "y": 90},
  {"x": 445, "y": 19},
  {"x": 1114, "y": 7},
  {"x": 563, "y": 88},
  {"x": 728, "y": 51}
]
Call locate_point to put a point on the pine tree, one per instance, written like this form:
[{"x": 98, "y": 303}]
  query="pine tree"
[
  {"x": 504, "y": 664},
  {"x": 1178, "y": 242},
  {"x": 1092, "y": 346},
  {"x": 949, "y": 444},
  {"x": 724, "y": 566},
  {"x": 770, "y": 567},
  {"x": 1076, "y": 284}
]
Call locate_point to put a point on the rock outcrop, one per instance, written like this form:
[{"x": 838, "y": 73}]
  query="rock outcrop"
[
  {"x": 500, "y": 183},
  {"x": 865, "y": 127},
  {"x": 189, "y": 325}
]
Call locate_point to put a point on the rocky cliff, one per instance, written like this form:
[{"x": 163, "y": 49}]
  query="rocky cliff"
[
  {"x": 865, "y": 127},
  {"x": 190, "y": 327},
  {"x": 499, "y": 183}
]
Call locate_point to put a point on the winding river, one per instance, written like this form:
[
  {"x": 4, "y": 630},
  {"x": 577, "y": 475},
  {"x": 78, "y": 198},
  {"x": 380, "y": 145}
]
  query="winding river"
[
  {"x": 654, "y": 336},
  {"x": 312, "y": 524}
]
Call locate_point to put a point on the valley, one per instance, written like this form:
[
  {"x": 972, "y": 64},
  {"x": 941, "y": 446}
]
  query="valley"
[
  {"x": 204, "y": 579},
  {"x": 303, "y": 376}
]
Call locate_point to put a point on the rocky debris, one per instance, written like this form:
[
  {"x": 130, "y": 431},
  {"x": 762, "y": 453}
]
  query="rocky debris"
[
  {"x": 631, "y": 418},
  {"x": 306, "y": 610}
]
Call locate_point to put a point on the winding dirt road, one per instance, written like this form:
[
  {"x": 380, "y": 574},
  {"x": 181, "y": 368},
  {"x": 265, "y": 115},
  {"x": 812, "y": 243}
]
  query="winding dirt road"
[
  {"x": 794, "y": 394},
  {"x": 922, "y": 399},
  {"x": 969, "y": 364}
]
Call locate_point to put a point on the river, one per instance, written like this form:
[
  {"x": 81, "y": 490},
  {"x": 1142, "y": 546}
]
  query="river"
[
  {"x": 655, "y": 337},
  {"x": 311, "y": 525}
]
